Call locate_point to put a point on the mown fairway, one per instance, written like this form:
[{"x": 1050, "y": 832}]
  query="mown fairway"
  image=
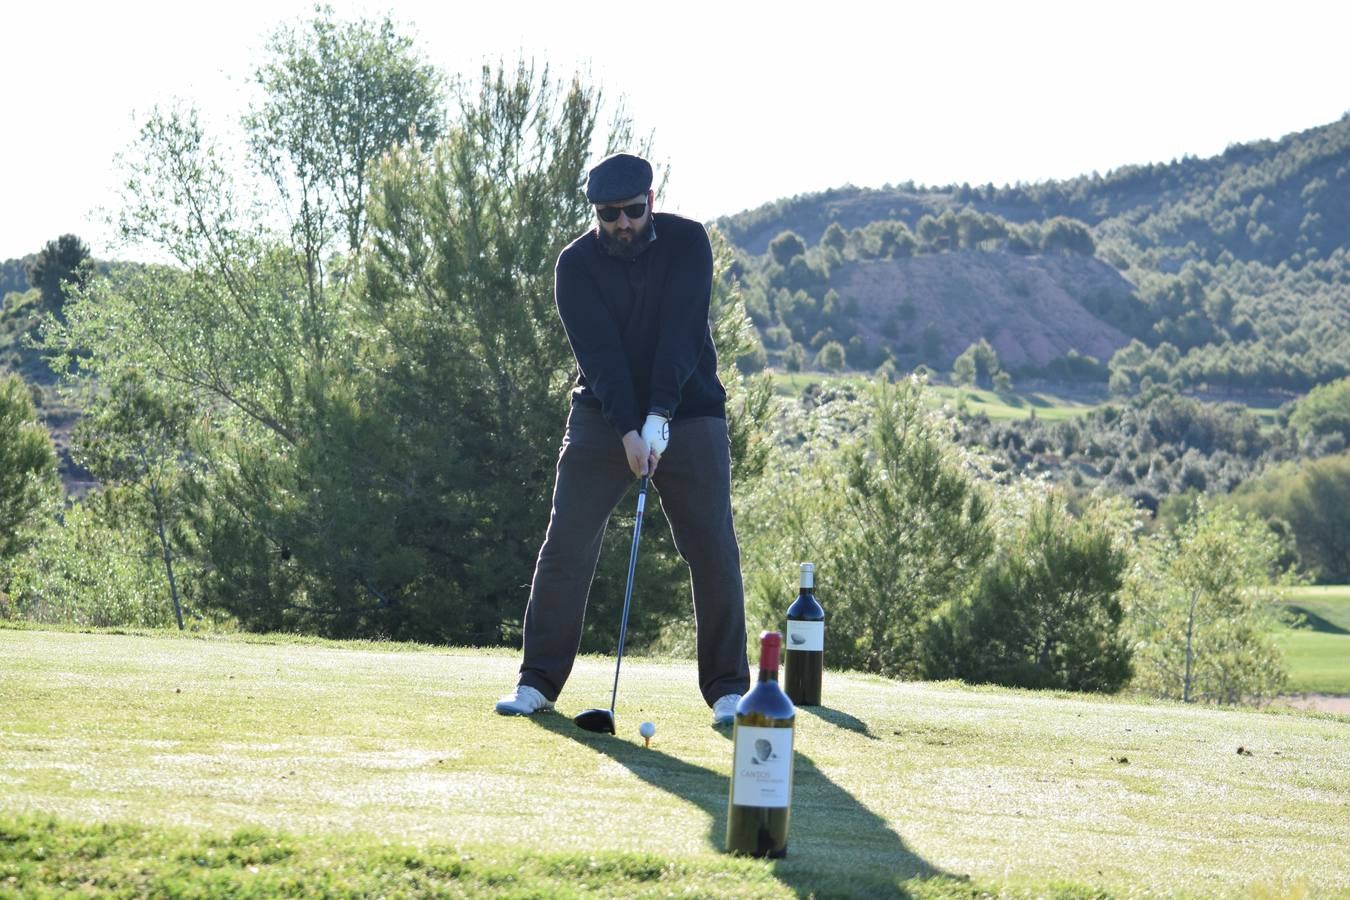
[
  {"x": 261, "y": 767},
  {"x": 975, "y": 401},
  {"x": 1318, "y": 651}
]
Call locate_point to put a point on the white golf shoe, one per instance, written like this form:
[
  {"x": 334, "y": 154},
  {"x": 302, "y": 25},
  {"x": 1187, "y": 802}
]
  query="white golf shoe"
[
  {"x": 524, "y": 701},
  {"x": 724, "y": 710}
]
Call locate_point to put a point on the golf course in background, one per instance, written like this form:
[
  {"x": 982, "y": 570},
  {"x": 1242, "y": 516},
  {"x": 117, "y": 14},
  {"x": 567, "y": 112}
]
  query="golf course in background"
[
  {"x": 166, "y": 765},
  {"x": 1318, "y": 649}
]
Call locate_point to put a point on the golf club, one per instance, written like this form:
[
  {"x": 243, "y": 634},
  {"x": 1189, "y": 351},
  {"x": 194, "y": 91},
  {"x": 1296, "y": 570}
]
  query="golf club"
[{"x": 602, "y": 720}]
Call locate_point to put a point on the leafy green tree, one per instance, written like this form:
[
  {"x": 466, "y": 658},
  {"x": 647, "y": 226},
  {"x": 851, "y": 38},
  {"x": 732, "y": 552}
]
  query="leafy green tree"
[
  {"x": 1324, "y": 411},
  {"x": 834, "y": 237},
  {"x": 451, "y": 427},
  {"x": 61, "y": 266},
  {"x": 794, "y": 357},
  {"x": 371, "y": 451},
  {"x": 963, "y": 369},
  {"x": 94, "y": 569},
  {"x": 1064, "y": 235},
  {"x": 831, "y": 357},
  {"x": 1313, "y": 499},
  {"x": 334, "y": 97},
  {"x": 786, "y": 247},
  {"x": 1046, "y": 614},
  {"x": 1203, "y": 612},
  {"x": 893, "y": 521},
  {"x": 29, "y": 485},
  {"x": 139, "y": 440},
  {"x": 977, "y": 364}
]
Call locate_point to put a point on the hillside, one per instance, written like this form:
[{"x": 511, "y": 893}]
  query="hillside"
[
  {"x": 1239, "y": 262},
  {"x": 1296, "y": 176},
  {"x": 236, "y": 766},
  {"x": 1027, "y": 308}
]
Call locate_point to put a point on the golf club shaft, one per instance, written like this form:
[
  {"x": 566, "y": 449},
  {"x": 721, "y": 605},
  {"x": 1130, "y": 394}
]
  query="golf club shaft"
[{"x": 628, "y": 592}]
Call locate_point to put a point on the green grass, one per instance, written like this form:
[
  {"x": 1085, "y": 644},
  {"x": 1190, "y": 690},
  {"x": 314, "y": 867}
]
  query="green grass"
[
  {"x": 1318, "y": 652},
  {"x": 998, "y": 406},
  {"x": 974, "y": 401},
  {"x": 159, "y": 765}
]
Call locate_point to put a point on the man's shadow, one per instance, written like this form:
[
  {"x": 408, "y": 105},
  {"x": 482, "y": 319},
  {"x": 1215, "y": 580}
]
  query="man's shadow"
[{"x": 828, "y": 824}]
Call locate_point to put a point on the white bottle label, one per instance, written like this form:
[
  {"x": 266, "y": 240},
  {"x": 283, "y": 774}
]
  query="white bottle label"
[
  {"x": 763, "y": 767},
  {"x": 805, "y": 635}
]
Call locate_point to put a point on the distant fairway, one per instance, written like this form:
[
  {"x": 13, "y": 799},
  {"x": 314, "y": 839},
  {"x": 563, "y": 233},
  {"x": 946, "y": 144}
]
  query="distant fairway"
[
  {"x": 1318, "y": 652},
  {"x": 974, "y": 401},
  {"x": 159, "y": 764}
]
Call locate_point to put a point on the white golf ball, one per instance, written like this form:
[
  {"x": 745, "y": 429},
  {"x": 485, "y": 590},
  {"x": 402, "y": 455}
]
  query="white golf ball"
[{"x": 646, "y": 729}]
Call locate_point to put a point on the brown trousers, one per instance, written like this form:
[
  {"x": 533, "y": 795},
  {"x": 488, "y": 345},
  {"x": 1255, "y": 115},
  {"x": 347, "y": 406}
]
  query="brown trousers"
[{"x": 694, "y": 481}]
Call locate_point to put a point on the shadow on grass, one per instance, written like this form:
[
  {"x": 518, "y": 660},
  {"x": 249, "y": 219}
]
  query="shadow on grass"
[
  {"x": 1313, "y": 622},
  {"x": 837, "y": 847},
  {"x": 840, "y": 719}
]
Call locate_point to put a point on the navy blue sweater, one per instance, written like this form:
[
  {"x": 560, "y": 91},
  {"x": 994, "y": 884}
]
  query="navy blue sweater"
[{"x": 639, "y": 328}]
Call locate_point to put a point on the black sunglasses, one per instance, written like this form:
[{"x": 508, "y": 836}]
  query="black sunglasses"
[{"x": 611, "y": 213}]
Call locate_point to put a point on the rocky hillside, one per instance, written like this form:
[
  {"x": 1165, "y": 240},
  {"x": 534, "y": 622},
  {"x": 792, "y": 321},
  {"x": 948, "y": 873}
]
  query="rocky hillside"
[
  {"x": 1231, "y": 270},
  {"x": 1027, "y": 308}
]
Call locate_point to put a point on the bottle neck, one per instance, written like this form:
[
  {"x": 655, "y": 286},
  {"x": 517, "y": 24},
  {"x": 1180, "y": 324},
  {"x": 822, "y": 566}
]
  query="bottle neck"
[
  {"x": 808, "y": 580},
  {"x": 769, "y": 648}
]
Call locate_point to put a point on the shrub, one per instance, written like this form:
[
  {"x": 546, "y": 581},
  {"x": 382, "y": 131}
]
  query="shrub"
[{"x": 1046, "y": 614}]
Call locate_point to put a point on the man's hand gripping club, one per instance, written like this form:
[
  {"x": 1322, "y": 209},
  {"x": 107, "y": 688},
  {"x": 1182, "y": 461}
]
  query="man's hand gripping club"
[{"x": 644, "y": 450}]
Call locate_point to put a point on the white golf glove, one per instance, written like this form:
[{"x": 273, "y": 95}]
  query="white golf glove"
[{"x": 656, "y": 432}]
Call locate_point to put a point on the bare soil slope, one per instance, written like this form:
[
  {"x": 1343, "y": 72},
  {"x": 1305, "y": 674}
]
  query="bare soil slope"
[{"x": 1029, "y": 308}]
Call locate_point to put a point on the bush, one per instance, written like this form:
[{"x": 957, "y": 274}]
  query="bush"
[
  {"x": 93, "y": 570},
  {"x": 29, "y": 484},
  {"x": 1324, "y": 411},
  {"x": 1047, "y": 614},
  {"x": 1201, "y": 607},
  {"x": 831, "y": 357},
  {"x": 1314, "y": 499},
  {"x": 890, "y": 516}
]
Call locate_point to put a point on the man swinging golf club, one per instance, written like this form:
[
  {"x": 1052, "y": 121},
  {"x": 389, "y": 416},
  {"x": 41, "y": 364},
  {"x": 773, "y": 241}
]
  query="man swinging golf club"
[{"x": 633, "y": 295}]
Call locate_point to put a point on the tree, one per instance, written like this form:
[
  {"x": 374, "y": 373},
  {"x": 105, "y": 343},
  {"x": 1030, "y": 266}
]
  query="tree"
[
  {"x": 834, "y": 238},
  {"x": 1046, "y": 614},
  {"x": 1063, "y": 235},
  {"x": 94, "y": 569},
  {"x": 963, "y": 370},
  {"x": 1201, "y": 606},
  {"x": 1313, "y": 499},
  {"x": 29, "y": 485},
  {"x": 373, "y": 428},
  {"x": 977, "y": 364},
  {"x": 899, "y": 523},
  {"x": 62, "y": 265},
  {"x": 1324, "y": 411},
  {"x": 139, "y": 440},
  {"x": 786, "y": 247},
  {"x": 335, "y": 97},
  {"x": 831, "y": 357}
]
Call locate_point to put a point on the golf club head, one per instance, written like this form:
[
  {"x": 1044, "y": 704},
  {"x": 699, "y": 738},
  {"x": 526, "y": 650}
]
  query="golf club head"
[{"x": 600, "y": 721}]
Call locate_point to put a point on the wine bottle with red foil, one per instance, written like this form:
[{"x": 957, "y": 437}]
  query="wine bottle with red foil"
[
  {"x": 761, "y": 773},
  {"x": 804, "y": 653}
]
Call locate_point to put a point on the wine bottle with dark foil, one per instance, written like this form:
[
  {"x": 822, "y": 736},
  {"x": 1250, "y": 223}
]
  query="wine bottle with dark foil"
[
  {"x": 804, "y": 652},
  {"x": 761, "y": 773}
]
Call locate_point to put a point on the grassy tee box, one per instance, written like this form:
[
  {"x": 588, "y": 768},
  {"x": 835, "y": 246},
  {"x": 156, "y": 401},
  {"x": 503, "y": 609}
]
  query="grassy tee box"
[{"x": 152, "y": 764}]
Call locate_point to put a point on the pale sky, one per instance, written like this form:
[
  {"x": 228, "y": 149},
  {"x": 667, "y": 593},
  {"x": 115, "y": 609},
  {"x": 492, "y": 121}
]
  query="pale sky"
[{"x": 748, "y": 102}]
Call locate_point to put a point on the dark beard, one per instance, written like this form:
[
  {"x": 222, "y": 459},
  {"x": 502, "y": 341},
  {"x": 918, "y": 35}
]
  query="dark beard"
[{"x": 631, "y": 250}]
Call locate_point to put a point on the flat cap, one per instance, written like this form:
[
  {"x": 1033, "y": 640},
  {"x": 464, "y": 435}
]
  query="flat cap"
[{"x": 618, "y": 177}]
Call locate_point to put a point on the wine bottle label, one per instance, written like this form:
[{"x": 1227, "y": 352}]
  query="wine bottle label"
[
  {"x": 805, "y": 635},
  {"x": 763, "y": 767}
]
